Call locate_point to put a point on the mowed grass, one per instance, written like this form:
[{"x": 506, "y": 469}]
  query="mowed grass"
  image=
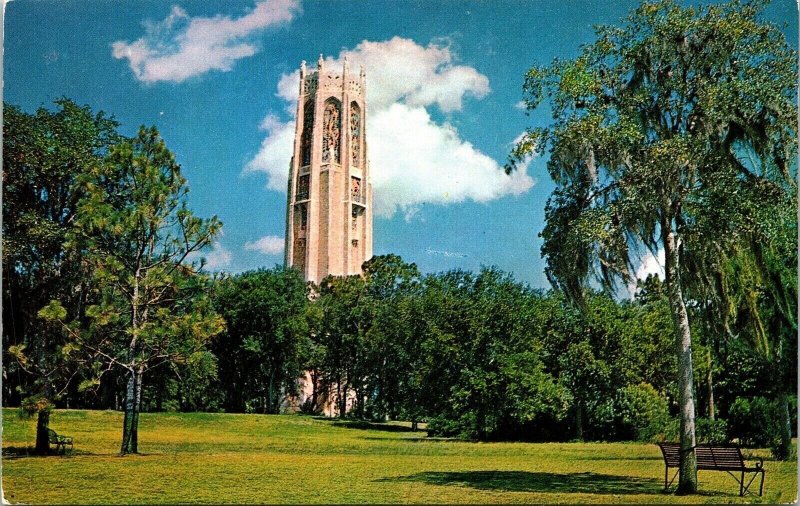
[{"x": 229, "y": 458}]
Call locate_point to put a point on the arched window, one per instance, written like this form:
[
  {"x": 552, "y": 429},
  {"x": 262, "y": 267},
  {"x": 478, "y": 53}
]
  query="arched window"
[
  {"x": 355, "y": 134},
  {"x": 305, "y": 138},
  {"x": 332, "y": 128}
]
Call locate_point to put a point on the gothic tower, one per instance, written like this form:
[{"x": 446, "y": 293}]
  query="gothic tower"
[{"x": 329, "y": 202}]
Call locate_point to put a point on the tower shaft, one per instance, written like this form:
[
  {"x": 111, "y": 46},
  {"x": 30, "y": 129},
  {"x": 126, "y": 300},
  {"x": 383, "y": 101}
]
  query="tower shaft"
[{"x": 329, "y": 201}]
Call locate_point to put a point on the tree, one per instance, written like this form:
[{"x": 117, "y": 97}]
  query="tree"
[
  {"x": 661, "y": 127},
  {"x": 262, "y": 351},
  {"x": 341, "y": 335},
  {"x": 391, "y": 336},
  {"x": 487, "y": 376},
  {"x": 43, "y": 154},
  {"x": 757, "y": 304},
  {"x": 137, "y": 238}
]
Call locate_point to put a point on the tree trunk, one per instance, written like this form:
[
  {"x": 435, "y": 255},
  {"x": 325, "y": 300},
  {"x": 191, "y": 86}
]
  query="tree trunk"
[
  {"x": 712, "y": 414},
  {"x": 42, "y": 439},
  {"x": 314, "y": 389},
  {"x": 579, "y": 421},
  {"x": 271, "y": 409},
  {"x": 339, "y": 397},
  {"x": 127, "y": 422},
  {"x": 687, "y": 481},
  {"x": 784, "y": 449},
  {"x": 130, "y": 424}
]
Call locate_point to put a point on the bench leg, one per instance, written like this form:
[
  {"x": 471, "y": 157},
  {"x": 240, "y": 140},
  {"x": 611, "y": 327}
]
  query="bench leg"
[
  {"x": 746, "y": 488},
  {"x": 741, "y": 486},
  {"x": 667, "y": 481}
]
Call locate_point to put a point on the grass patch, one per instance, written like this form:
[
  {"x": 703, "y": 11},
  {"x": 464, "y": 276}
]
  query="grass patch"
[{"x": 229, "y": 458}]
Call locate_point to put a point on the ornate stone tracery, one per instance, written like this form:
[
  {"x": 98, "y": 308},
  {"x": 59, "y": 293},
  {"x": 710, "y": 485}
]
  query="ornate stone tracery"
[
  {"x": 332, "y": 127},
  {"x": 310, "y": 84},
  {"x": 305, "y": 138},
  {"x": 355, "y": 134}
]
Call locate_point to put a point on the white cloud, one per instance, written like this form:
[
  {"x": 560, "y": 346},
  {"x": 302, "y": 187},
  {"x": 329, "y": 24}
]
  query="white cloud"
[
  {"x": 648, "y": 264},
  {"x": 181, "y": 46},
  {"x": 651, "y": 264},
  {"x": 414, "y": 159},
  {"x": 218, "y": 258},
  {"x": 422, "y": 161},
  {"x": 275, "y": 153},
  {"x": 268, "y": 245}
]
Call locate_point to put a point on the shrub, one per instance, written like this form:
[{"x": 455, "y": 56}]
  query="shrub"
[
  {"x": 644, "y": 411},
  {"x": 706, "y": 430},
  {"x": 752, "y": 421},
  {"x": 711, "y": 431}
]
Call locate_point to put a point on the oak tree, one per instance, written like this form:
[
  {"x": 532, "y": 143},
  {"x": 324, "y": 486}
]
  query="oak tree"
[{"x": 660, "y": 128}]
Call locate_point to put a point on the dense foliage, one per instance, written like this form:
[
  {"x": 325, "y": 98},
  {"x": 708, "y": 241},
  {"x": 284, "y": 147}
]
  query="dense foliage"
[
  {"x": 677, "y": 131},
  {"x": 474, "y": 355}
]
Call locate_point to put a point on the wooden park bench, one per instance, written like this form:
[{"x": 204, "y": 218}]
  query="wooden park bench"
[
  {"x": 710, "y": 457},
  {"x": 60, "y": 441}
]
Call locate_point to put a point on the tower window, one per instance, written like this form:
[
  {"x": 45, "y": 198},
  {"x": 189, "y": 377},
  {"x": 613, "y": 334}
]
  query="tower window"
[
  {"x": 355, "y": 189},
  {"x": 332, "y": 127},
  {"x": 302, "y": 186},
  {"x": 303, "y": 217},
  {"x": 355, "y": 134},
  {"x": 305, "y": 138}
]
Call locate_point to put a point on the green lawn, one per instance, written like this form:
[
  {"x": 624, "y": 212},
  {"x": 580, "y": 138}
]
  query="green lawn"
[{"x": 223, "y": 458}]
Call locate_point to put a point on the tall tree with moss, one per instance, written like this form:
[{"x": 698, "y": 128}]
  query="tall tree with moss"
[
  {"x": 141, "y": 242},
  {"x": 752, "y": 294},
  {"x": 653, "y": 125},
  {"x": 43, "y": 155}
]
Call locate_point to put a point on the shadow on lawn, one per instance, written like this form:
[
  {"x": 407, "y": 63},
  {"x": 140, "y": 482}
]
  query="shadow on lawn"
[
  {"x": 522, "y": 481},
  {"x": 363, "y": 425},
  {"x": 20, "y": 452}
]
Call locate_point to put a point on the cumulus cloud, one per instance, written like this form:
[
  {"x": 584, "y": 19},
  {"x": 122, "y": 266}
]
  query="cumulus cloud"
[
  {"x": 423, "y": 161},
  {"x": 181, "y": 46},
  {"x": 414, "y": 159},
  {"x": 217, "y": 258},
  {"x": 651, "y": 264},
  {"x": 268, "y": 245},
  {"x": 275, "y": 154},
  {"x": 648, "y": 264}
]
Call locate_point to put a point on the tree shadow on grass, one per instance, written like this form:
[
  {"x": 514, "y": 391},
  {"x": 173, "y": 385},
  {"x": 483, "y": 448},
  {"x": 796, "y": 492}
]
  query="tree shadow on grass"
[
  {"x": 20, "y": 452},
  {"x": 603, "y": 457},
  {"x": 523, "y": 481},
  {"x": 363, "y": 425},
  {"x": 421, "y": 439}
]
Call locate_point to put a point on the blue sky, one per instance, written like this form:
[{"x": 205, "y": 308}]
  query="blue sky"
[{"x": 217, "y": 78}]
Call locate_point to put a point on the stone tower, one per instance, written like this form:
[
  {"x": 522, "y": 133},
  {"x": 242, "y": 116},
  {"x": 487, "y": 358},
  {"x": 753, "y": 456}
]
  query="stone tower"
[{"x": 329, "y": 202}]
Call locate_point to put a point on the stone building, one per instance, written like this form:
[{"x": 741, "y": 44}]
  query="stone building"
[{"x": 329, "y": 202}]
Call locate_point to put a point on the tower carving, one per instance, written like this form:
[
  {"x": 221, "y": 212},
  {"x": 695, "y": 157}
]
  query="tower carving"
[{"x": 329, "y": 202}]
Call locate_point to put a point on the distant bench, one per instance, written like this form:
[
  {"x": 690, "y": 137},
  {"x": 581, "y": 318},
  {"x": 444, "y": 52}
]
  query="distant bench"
[
  {"x": 60, "y": 441},
  {"x": 710, "y": 457}
]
